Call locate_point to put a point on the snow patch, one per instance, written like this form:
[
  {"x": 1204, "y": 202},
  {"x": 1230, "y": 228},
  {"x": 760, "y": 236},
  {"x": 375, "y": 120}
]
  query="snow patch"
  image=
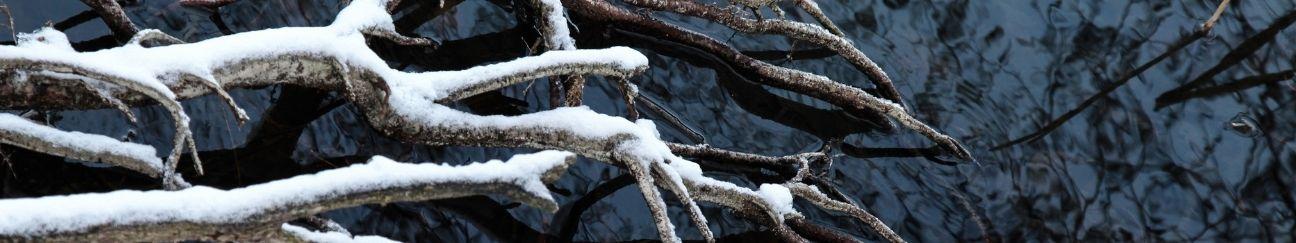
[
  {"x": 362, "y": 14},
  {"x": 778, "y": 197},
  {"x": 46, "y": 38},
  {"x": 331, "y": 237},
  {"x": 561, "y": 38}
]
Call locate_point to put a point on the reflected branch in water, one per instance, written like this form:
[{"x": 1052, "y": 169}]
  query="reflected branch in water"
[
  {"x": 75, "y": 20},
  {"x": 569, "y": 216},
  {"x": 665, "y": 114},
  {"x": 754, "y": 98},
  {"x": 790, "y": 55},
  {"x": 1056, "y": 123},
  {"x": 930, "y": 153},
  {"x": 1235, "y": 56},
  {"x": 112, "y": 15},
  {"x": 426, "y": 11},
  {"x": 493, "y": 219},
  {"x": 1216, "y": 90}
]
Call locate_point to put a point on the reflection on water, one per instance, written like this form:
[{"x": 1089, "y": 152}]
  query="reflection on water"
[{"x": 1218, "y": 167}]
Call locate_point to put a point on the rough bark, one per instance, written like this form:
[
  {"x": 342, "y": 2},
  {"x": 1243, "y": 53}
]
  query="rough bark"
[
  {"x": 264, "y": 224},
  {"x": 820, "y": 87}
]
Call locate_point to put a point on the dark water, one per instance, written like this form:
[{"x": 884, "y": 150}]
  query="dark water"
[{"x": 982, "y": 71}]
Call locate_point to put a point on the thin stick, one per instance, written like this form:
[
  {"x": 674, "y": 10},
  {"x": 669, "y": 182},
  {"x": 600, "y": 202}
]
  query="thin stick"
[
  {"x": 1214, "y": 17},
  {"x": 9, "y": 15}
]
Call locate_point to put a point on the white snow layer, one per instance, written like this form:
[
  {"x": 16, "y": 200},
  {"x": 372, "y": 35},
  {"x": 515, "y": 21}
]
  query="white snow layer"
[
  {"x": 778, "y": 197},
  {"x": 331, "y": 237},
  {"x": 93, "y": 143},
  {"x": 341, "y": 40},
  {"x": 76, "y": 213},
  {"x": 46, "y": 38},
  {"x": 413, "y": 96},
  {"x": 435, "y": 85},
  {"x": 561, "y": 38}
]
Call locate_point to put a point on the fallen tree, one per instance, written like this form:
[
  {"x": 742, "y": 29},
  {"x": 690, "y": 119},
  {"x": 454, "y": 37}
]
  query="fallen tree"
[{"x": 43, "y": 72}]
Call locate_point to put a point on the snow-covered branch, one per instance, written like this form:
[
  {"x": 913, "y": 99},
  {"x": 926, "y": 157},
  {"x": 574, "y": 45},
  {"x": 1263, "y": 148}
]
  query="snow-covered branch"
[
  {"x": 256, "y": 212},
  {"x": 18, "y": 131},
  {"x": 45, "y": 73}
]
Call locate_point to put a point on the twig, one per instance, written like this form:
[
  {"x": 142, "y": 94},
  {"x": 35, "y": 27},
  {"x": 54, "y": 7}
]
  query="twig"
[
  {"x": 813, "y": 8},
  {"x": 1210, "y": 23}
]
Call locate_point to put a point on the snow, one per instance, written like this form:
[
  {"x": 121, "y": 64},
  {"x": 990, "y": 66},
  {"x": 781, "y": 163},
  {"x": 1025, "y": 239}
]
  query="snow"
[
  {"x": 413, "y": 97},
  {"x": 436, "y": 85},
  {"x": 634, "y": 89},
  {"x": 93, "y": 143},
  {"x": 331, "y": 237},
  {"x": 123, "y": 69},
  {"x": 561, "y": 38},
  {"x": 581, "y": 120},
  {"x": 75, "y": 213},
  {"x": 363, "y": 14},
  {"x": 138, "y": 38},
  {"x": 102, "y": 88},
  {"x": 887, "y": 102},
  {"x": 778, "y": 197},
  {"x": 341, "y": 40},
  {"x": 46, "y": 38}
]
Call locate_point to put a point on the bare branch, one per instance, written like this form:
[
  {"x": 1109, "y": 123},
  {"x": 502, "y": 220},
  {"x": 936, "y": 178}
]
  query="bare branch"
[
  {"x": 811, "y": 7},
  {"x": 820, "y": 199},
  {"x": 114, "y": 17},
  {"x": 820, "y": 87},
  {"x": 796, "y": 30},
  {"x": 667, "y": 178},
  {"x": 1210, "y": 23},
  {"x": 397, "y": 38},
  {"x": 707, "y": 152}
]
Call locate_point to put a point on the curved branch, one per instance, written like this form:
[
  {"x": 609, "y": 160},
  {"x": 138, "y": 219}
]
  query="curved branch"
[
  {"x": 114, "y": 17},
  {"x": 810, "y": 6},
  {"x": 817, "y": 86},
  {"x": 255, "y": 212},
  {"x": 35, "y": 56},
  {"x": 26, "y": 134},
  {"x": 796, "y": 30},
  {"x": 408, "y": 106},
  {"x": 820, "y": 199},
  {"x": 706, "y": 152}
]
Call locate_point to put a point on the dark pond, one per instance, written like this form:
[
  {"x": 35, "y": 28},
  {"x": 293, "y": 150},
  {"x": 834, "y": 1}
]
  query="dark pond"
[{"x": 985, "y": 72}]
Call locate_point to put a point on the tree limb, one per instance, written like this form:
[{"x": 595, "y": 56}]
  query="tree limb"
[{"x": 256, "y": 212}]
